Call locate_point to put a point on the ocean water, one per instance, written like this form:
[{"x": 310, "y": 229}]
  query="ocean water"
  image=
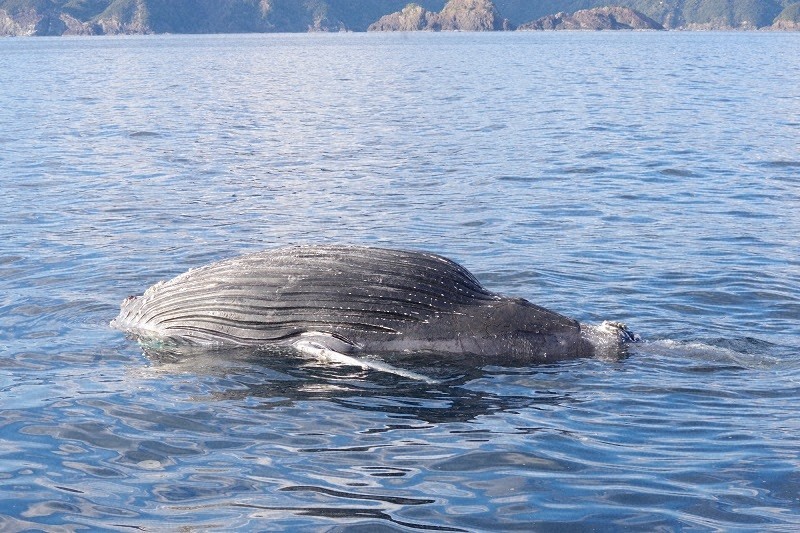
[{"x": 652, "y": 178}]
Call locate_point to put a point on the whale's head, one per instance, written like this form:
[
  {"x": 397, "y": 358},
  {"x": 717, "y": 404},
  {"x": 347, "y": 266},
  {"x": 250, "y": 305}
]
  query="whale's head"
[
  {"x": 608, "y": 339},
  {"x": 620, "y": 330}
]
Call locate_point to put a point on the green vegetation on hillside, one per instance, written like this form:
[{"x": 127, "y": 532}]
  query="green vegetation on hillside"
[{"x": 791, "y": 13}]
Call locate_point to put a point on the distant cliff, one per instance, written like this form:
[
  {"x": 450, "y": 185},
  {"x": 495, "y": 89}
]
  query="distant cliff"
[
  {"x": 87, "y": 17},
  {"x": 600, "y": 18},
  {"x": 456, "y": 15},
  {"x": 671, "y": 14},
  {"x": 789, "y": 19},
  {"x": 413, "y": 17},
  {"x": 57, "y": 17}
]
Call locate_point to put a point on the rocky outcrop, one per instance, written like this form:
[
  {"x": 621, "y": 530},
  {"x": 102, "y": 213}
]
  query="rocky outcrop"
[
  {"x": 82, "y": 17},
  {"x": 601, "y": 18},
  {"x": 20, "y": 25},
  {"x": 788, "y": 20},
  {"x": 785, "y": 25},
  {"x": 413, "y": 17},
  {"x": 73, "y": 26},
  {"x": 31, "y": 22},
  {"x": 457, "y": 15},
  {"x": 131, "y": 17},
  {"x": 52, "y": 22},
  {"x": 470, "y": 15}
]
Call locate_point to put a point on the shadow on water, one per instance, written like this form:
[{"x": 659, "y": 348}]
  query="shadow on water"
[
  {"x": 463, "y": 390},
  {"x": 284, "y": 378},
  {"x": 275, "y": 435},
  {"x": 344, "y": 444}
]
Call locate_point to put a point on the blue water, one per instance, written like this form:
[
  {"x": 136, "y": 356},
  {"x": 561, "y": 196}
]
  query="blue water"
[{"x": 652, "y": 178}]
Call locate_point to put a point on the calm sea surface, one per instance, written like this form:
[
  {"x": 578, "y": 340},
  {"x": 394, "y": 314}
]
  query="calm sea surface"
[{"x": 652, "y": 178}]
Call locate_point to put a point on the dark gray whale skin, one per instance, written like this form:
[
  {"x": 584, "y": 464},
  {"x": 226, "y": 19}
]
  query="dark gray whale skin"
[{"x": 357, "y": 299}]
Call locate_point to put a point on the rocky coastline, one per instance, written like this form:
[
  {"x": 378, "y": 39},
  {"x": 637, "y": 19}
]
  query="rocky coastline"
[
  {"x": 111, "y": 17},
  {"x": 601, "y": 18}
]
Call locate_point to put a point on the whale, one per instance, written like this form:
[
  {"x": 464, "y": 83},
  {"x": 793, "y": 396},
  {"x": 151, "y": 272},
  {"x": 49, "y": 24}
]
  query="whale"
[{"x": 358, "y": 305}]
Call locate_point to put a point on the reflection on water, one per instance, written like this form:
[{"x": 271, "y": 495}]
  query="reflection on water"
[
  {"x": 287, "y": 376},
  {"x": 648, "y": 178},
  {"x": 206, "y": 440}
]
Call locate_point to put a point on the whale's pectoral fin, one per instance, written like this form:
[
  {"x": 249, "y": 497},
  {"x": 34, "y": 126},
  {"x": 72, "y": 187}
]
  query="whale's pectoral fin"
[
  {"x": 331, "y": 349},
  {"x": 328, "y": 349}
]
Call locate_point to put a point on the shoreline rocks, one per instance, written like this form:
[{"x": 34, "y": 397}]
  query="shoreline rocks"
[
  {"x": 457, "y": 15},
  {"x": 111, "y": 17},
  {"x": 601, "y": 18}
]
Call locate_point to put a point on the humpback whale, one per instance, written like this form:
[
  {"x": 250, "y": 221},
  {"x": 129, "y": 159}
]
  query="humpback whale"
[{"x": 352, "y": 303}]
